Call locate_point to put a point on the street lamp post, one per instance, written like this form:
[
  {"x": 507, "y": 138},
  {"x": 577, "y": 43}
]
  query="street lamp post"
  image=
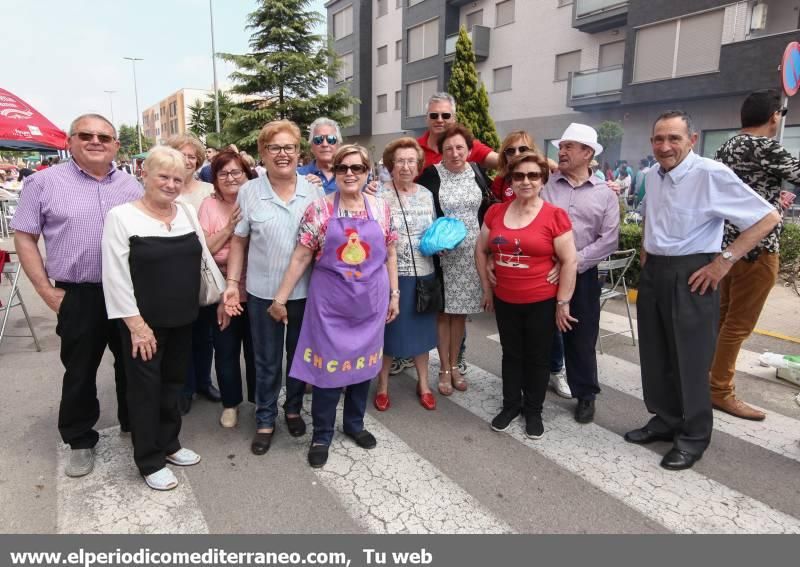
[
  {"x": 214, "y": 66},
  {"x": 133, "y": 60},
  {"x": 111, "y": 102}
]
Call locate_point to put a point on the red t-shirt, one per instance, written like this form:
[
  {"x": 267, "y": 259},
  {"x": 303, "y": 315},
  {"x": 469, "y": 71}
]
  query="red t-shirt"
[
  {"x": 502, "y": 189},
  {"x": 524, "y": 256},
  {"x": 477, "y": 154}
]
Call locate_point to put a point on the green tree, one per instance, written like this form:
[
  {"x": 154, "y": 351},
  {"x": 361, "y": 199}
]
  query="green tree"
[
  {"x": 203, "y": 121},
  {"x": 609, "y": 134},
  {"x": 285, "y": 72},
  {"x": 472, "y": 100},
  {"x": 129, "y": 141}
]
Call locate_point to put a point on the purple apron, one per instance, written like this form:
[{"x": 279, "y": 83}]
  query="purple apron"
[{"x": 341, "y": 341}]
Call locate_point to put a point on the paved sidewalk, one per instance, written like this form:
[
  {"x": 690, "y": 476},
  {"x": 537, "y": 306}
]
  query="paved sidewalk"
[{"x": 780, "y": 317}]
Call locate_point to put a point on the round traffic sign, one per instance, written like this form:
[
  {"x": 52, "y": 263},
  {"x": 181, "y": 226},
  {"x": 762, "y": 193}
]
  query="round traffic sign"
[{"x": 790, "y": 69}]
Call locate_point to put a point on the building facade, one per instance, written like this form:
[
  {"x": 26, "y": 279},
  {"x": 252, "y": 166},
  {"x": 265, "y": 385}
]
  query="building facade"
[
  {"x": 546, "y": 63},
  {"x": 171, "y": 115}
]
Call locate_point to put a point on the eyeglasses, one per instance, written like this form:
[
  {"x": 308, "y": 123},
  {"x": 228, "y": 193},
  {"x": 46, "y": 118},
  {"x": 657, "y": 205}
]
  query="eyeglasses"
[
  {"x": 406, "y": 162},
  {"x": 783, "y": 111},
  {"x": 288, "y": 149},
  {"x": 190, "y": 157},
  {"x": 444, "y": 115},
  {"x": 512, "y": 151},
  {"x": 89, "y": 136},
  {"x": 356, "y": 168},
  {"x": 519, "y": 176},
  {"x": 330, "y": 138},
  {"x": 233, "y": 174}
]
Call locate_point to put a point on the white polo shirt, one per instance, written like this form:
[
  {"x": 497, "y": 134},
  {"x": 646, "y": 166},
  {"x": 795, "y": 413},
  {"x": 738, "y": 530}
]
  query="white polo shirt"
[{"x": 685, "y": 209}]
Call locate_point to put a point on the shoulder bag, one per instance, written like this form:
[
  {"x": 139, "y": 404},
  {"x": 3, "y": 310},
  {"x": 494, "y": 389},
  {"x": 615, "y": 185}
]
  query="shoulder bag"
[{"x": 212, "y": 284}]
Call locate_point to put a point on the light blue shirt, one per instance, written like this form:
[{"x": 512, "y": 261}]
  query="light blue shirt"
[
  {"x": 686, "y": 207},
  {"x": 272, "y": 226}
]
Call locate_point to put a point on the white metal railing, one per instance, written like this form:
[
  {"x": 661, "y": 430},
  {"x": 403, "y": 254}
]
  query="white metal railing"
[
  {"x": 595, "y": 82},
  {"x": 586, "y": 7}
]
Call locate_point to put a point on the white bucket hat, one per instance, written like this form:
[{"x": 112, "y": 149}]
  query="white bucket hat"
[{"x": 582, "y": 134}]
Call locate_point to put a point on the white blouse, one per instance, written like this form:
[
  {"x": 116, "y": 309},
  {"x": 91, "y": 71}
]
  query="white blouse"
[{"x": 121, "y": 223}]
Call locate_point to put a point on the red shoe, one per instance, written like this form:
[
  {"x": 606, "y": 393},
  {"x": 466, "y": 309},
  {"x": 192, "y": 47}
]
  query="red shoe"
[
  {"x": 427, "y": 401},
  {"x": 382, "y": 402}
]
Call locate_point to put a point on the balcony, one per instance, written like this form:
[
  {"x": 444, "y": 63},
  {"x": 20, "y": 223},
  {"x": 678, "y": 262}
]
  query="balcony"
[
  {"x": 480, "y": 43},
  {"x": 595, "y": 88},
  {"x": 592, "y": 16}
]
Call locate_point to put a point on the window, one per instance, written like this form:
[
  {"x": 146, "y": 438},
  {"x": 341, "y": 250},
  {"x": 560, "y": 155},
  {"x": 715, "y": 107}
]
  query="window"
[
  {"x": 414, "y": 2},
  {"x": 423, "y": 40},
  {"x": 398, "y": 49},
  {"x": 504, "y": 13},
  {"x": 381, "y": 104},
  {"x": 713, "y": 139},
  {"x": 678, "y": 48},
  {"x": 502, "y": 79},
  {"x": 417, "y": 95},
  {"x": 567, "y": 63},
  {"x": 383, "y": 7},
  {"x": 343, "y": 23},
  {"x": 397, "y": 99},
  {"x": 345, "y": 72},
  {"x": 383, "y": 55},
  {"x": 611, "y": 55},
  {"x": 474, "y": 19}
]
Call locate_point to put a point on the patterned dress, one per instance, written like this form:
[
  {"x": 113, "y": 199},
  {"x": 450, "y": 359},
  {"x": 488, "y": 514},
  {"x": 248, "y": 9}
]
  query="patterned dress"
[{"x": 460, "y": 197}]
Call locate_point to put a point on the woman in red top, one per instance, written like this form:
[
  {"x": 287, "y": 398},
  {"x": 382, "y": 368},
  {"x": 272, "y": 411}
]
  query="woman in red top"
[
  {"x": 516, "y": 142},
  {"x": 524, "y": 236}
]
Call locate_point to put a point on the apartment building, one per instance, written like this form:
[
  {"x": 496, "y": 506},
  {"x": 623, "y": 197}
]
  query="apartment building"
[
  {"x": 546, "y": 63},
  {"x": 171, "y": 115}
]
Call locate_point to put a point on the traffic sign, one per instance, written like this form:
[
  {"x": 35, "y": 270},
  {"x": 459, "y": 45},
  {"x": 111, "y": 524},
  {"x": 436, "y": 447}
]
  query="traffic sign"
[{"x": 790, "y": 69}]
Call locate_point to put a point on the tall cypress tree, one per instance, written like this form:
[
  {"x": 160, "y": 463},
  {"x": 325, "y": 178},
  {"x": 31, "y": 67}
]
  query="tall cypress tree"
[
  {"x": 472, "y": 100},
  {"x": 285, "y": 73}
]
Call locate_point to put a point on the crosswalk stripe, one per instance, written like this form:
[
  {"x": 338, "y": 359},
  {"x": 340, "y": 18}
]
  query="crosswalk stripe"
[
  {"x": 391, "y": 489},
  {"x": 685, "y": 502},
  {"x": 777, "y": 433},
  {"x": 115, "y": 499}
]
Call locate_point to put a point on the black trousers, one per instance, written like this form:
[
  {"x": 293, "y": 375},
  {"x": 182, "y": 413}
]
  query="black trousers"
[
  {"x": 85, "y": 332},
  {"x": 526, "y": 335},
  {"x": 580, "y": 357},
  {"x": 153, "y": 389},
  {"x": 677, "y": 338}
]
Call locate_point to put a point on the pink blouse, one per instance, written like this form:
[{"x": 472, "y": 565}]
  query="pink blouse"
[{"x": 213, "y": 216}]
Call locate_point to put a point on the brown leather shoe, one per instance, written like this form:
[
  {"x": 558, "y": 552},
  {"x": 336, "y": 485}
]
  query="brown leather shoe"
[{"x": 738, "y": 408}]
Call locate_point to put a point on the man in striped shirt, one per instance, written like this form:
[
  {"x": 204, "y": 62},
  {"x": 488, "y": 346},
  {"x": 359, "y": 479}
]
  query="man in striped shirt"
[{"x": 67, "y": 204}]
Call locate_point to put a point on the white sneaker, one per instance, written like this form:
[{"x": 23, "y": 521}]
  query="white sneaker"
[
  {"x": 162, "y": 479},
  {"x": 184, "y": 458},
  {"x": 229, "y": 417},
  {"x": 558, "y": 382}
]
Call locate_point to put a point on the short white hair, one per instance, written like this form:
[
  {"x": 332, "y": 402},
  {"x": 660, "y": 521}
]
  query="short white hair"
[
  {"x": 324, "y": 122},
  {"x": 442, "y": 97}
]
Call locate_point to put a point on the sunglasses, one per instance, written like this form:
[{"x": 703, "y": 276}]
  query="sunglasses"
[
  {"x": 89, "y": 136},
  {"x": 519, "y": 176},
  {"x": 330, "y": 138},
  {"x": 288, "y": 149},
  {"x": 511, "y": 151},
  {"x": 783, "y": 111},
  {"x": 356, "y": 168},
  {"x": 436, "y": 115}
]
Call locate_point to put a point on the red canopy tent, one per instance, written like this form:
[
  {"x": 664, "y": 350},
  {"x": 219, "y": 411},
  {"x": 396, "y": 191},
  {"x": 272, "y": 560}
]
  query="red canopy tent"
[{"x": 22, "y": 127}]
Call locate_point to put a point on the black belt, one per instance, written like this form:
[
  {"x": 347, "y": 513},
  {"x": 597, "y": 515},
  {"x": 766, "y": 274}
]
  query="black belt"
[{"x": 82, "y": 285}]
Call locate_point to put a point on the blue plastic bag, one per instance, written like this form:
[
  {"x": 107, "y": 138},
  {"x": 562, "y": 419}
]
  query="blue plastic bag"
[{"x": 444, "y": 234}]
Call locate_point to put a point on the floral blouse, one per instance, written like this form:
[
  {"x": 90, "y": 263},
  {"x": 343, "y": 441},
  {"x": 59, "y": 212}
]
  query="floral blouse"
[{"x": 314, "y": 224}]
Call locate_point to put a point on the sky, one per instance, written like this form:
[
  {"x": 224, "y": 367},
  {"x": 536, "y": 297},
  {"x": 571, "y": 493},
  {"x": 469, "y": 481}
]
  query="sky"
[{"x": 60, "y": 56}]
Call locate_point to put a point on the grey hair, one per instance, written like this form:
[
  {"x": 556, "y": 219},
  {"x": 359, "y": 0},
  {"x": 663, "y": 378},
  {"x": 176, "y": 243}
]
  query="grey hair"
[
  {"x": 90, "y": 115},
  {"x": 324, "y": 122},
  {"x": 442, "y": 97},
  {"x": 677, "y": 114}
]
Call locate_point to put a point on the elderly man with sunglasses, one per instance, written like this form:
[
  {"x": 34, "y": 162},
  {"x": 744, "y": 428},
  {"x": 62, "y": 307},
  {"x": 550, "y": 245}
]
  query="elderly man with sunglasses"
[
  {"x": 67, "y": 204},
  {"x": 324, "y": 136},
  {"x": 441, "y": 114}
]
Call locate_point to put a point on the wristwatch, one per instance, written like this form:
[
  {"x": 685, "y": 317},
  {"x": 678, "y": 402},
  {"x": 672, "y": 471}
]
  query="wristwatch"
[
  {"x": 395, "y": 292},
  {"x": 728, "y": 255}
]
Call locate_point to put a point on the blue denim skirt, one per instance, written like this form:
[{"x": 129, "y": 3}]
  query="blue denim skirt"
[{"x": 412, "y": 333}]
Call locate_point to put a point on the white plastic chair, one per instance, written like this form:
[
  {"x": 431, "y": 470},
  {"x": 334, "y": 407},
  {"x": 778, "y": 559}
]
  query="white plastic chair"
[
  {"x": 11, "y": 272},
  {"x": 614, "y": 268}
]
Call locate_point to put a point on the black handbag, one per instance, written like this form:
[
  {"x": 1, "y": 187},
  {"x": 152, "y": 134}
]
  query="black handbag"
[{"x": 427, "y": 292}]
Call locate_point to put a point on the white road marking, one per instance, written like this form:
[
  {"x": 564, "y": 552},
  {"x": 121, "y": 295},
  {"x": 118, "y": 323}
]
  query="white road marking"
[
  {"x": 114, "y": 498},
  {"x": 683, "y": 502},
  {"x": 391, "y": 489}
]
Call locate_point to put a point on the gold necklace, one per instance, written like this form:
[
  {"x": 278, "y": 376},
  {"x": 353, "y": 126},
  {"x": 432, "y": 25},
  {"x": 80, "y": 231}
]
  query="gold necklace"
[{"x": 159, "y": 216}]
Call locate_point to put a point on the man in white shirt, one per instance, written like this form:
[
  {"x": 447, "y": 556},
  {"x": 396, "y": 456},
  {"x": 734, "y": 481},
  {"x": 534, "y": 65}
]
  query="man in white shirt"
[{"x": 688, "y": 200}]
